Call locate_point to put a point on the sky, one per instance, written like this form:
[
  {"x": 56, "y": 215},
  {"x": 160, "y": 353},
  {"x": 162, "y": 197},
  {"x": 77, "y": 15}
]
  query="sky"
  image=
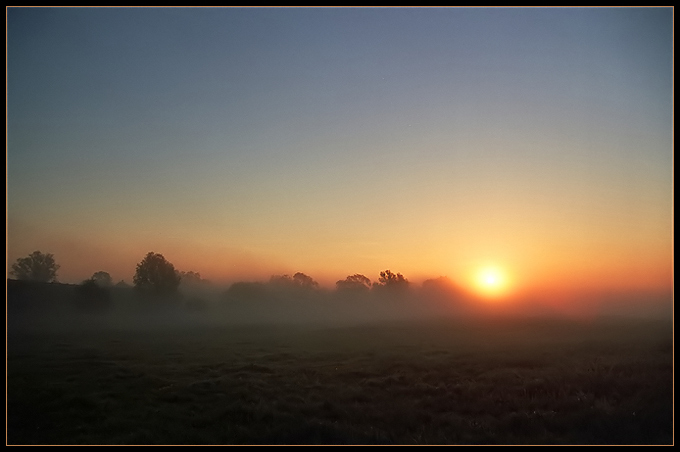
[{"x": 246, "y": 142}]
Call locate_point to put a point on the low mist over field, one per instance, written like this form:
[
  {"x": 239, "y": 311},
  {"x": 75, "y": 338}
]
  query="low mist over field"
[
  {"x": 53, "y": 306},
  {"x": 328, "y": 369},
  {"x": 286, "y": 362}
]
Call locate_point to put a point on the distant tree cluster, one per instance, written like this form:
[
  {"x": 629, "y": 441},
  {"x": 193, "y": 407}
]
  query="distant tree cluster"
[
  {"x": 391, "y": 280},
  {"x": 297, "y": 281},
  {"x": 192, "y": 279},
  {"x": 155, "y": 275},
  {"x": 354, "y": 283}
]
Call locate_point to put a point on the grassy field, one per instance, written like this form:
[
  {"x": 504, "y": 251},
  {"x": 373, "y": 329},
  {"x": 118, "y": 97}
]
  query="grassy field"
[{"x": 493, "y": 381}]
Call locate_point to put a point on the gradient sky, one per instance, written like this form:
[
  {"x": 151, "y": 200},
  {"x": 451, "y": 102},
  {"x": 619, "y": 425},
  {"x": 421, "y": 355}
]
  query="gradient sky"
[{"x": 242, "y": 143}]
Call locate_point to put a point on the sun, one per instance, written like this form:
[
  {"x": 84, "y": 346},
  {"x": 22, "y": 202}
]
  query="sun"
[{"x": 491, "y": 282}]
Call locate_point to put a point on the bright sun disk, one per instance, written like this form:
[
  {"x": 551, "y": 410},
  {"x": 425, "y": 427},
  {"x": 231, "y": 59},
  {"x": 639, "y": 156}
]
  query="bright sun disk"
[{"x": 491, "y": 282}]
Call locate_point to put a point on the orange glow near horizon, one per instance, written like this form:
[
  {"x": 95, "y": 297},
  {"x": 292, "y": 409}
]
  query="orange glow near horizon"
[
  {"x": 501, "y": 273},
  {"x": 544, "y": 260}
]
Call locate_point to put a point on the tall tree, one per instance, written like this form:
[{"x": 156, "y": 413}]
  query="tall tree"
[
  {"x": 36, "y": 267},
  {"x": 156, "y": 275}
]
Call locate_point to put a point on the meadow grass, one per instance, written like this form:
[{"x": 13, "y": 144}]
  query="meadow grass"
[{"x": 502, "y": 381}]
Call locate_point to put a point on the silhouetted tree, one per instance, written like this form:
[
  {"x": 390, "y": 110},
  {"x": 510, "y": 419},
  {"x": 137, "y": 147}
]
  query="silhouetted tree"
[
  {"x": 356, "y": 282},
  {"x": 297, "y": 281},
  {"x": 281, "y": 281},
  {"x": 156, "y": 275},
  {"x": 391, "y": 280},
  {"x": 304, "y": 281},
  {"x": 192, "y": 279},
  {"x": 102, "y": 279},
  {"x": 36, "y": 267}
]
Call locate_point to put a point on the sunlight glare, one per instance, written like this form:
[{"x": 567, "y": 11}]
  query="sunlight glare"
[{"x": 491, "y": 282}]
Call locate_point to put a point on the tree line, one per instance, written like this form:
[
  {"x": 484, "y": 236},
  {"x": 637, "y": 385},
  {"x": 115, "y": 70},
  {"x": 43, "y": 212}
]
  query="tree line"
[{"x": 155, "y": 275}]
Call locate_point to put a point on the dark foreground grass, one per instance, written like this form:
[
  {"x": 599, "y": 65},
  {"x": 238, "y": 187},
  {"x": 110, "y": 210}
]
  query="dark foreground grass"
[{"x": 444, "y": 382}]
